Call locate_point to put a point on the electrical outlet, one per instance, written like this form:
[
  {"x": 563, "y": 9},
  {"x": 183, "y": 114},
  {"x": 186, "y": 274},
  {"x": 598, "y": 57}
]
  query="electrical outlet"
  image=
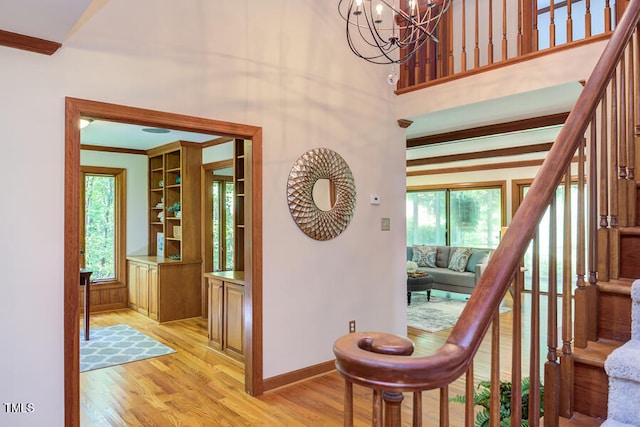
[{"x": 352, "y": 326}]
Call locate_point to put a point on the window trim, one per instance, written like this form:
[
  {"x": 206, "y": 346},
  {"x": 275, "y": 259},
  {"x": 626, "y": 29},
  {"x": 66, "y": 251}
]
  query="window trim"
[
  {"x": 207, "y": 215},
  {"x": 221, "y": 181},
  {"x": 120, "y": 215}
]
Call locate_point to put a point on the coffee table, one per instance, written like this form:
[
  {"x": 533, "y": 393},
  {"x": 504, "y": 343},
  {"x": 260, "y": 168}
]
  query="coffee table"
[{"x": 419, "y": 284}]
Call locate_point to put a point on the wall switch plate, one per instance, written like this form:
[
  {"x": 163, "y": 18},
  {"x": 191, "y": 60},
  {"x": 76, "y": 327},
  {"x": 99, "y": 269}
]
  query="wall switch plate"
[
  {"x": 385, "y": 224},
  {"x": 352, "y": 326}
]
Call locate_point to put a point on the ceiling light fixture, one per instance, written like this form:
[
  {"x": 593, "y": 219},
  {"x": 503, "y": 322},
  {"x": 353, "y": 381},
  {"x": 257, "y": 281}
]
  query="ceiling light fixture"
[
  {"x": 155, "y": 130},
  {"x": 84, "y": 122},
  {"x": 391, "y": 33}
]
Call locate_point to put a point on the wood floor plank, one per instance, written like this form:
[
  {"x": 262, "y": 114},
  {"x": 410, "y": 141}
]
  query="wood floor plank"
[{"x": 197, "y": 386}]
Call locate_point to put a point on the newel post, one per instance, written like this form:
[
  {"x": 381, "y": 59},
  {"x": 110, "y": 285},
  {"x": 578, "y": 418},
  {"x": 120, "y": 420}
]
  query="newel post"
[{"x": 392, "y": 408}]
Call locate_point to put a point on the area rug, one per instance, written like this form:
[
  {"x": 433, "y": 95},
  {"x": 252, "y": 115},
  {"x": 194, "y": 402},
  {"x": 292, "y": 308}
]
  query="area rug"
[
  {"x": 115, "y": 345},
  {"x": 437, "y": 314}
]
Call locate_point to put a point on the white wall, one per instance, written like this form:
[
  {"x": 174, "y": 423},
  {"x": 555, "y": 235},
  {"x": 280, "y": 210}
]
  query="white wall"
[
  {"x": 236, "y": 61},
  {"x": 549, "y": 70}
]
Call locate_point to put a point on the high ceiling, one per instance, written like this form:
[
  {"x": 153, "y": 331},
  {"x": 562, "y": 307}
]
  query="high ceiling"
[
  {"x": 52, "y": 20},
  {"x": 56, "y": 20}
]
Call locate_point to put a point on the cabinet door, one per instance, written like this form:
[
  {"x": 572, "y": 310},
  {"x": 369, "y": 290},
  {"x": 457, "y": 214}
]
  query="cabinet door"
[
  {"x": 215, "y": 313},
  {"x": 234, "y": 319},
  {"x": 143, "y": 289},
  {"x": 133, "y": 285},
  {"x": 153, "y": 292}
]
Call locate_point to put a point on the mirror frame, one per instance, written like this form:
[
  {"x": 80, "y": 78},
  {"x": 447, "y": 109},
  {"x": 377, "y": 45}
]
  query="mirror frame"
[{"x": 315, "y": 164}]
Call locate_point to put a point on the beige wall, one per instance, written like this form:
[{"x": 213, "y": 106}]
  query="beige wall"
[{"x": 234, "y": 61}]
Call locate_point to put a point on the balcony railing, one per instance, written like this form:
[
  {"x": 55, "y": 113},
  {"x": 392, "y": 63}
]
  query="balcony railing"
[{"x": 477, "y": 35}]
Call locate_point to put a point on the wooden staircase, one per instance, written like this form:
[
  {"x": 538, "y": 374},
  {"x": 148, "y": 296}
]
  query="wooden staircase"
[
  {"x": 589, "y": 312},
  {"x": 590, "y": 381}
]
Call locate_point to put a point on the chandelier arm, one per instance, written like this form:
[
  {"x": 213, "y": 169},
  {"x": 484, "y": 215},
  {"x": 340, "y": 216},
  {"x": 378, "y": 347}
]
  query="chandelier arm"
[
  {"x": 372, "y": 26},
  {"x": 376, "y": 40},
  {"x": 373, "y": 59},
  {"x": 410, "y": 37},
  {"x": 416, "y": 24},
  {"x": 382, "y": 48}
]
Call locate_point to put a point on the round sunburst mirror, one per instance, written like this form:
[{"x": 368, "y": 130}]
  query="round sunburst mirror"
[{"x": 321, "y": 193}]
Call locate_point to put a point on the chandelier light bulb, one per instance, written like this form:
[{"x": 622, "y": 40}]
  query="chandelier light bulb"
[
  {"x": 358, "y": 10},
  {"x": 378, "y": 13},
  {"x": 412, "y": 8},
  {"x": 392, "y": 77}
]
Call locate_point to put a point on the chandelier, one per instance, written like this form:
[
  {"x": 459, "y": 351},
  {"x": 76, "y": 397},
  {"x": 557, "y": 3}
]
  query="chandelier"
[{"x": 382, "y": 32}]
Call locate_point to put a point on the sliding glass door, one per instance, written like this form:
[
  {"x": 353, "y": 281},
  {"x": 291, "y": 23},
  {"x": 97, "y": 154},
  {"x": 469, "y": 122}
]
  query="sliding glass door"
[{"x": 468, "y": 216}]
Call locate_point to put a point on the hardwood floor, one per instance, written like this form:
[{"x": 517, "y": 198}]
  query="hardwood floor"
[{"x": 198, "y": 387}]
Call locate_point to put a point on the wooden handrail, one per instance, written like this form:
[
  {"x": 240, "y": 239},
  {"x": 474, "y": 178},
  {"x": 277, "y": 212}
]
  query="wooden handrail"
[{"x": 354, "y": 360}]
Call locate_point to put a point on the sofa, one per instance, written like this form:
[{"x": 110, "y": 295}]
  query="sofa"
[{"x": 454, "y": 269}]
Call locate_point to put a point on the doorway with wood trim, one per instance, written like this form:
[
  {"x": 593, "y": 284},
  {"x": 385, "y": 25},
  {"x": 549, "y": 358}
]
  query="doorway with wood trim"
[{"x": 74, "y": 110}]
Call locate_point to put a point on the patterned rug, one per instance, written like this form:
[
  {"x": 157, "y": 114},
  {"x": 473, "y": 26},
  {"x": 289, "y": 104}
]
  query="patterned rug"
[
  {"x": 437, "y": 314},
  {"x": 116, "y": 345}
]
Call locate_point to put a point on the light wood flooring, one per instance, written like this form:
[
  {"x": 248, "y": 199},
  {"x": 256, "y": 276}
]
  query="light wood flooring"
[{"x": 198, "y": 387}]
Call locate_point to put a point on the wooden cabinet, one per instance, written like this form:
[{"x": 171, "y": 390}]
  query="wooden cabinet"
[
  {"x": 234, "y": 319},
  {"x": 153, "y": 293},
  {"x": 226, "y": 312},
  {"x": 143, "y": 286},
  {"x": 163, "y": 289},
  {"x": 216, "y": 310}
]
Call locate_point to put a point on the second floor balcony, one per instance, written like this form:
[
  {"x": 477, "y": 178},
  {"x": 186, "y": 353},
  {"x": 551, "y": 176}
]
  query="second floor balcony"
[{"x": 480, "y": 35}]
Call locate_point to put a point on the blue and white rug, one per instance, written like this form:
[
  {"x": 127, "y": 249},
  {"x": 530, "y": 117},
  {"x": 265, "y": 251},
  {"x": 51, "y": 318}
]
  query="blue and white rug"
[
  {"x": 115, "y": 345},
  {"x": 437, "y": 314}
]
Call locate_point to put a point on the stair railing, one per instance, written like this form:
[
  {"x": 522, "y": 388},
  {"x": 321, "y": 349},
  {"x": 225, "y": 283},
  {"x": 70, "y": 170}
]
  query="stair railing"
[
  {"x": 493, "y": 33},
  {"x": 383, "y": 362}
]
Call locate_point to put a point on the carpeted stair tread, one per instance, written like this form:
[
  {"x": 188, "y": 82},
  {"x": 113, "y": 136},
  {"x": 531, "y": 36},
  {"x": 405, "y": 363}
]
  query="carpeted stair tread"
[
  {"x": 596, "y": 352},
  {"x": 623, "y": 368},
  {"x": 624, "y": 362},
  {"x": 614, "y": 423},
  {"x": 635, "y": 291}
]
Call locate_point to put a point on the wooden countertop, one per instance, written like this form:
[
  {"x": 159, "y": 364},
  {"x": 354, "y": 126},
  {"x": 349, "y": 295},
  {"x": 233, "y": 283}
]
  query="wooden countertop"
[
  {"x": 153, "y": 259},
  {"x": 227, "y": 276}
]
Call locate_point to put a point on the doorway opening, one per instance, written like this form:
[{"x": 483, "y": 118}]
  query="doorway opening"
[{"x": 74, "y": 110}]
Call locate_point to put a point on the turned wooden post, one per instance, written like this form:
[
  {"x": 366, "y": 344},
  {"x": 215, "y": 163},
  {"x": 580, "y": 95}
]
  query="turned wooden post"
[
  {"x": 392, "y": 408},
  {"x": 348, "y": 403}
]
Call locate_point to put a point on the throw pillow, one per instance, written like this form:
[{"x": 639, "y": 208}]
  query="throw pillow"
[
  {"x": 478, "y": 256},
  {"x": 459, "y": 259},
  {"x": 424, "y": 256}
]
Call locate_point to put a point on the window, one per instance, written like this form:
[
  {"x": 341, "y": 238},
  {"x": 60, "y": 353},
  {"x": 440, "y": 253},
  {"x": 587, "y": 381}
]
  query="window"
[
  {"x": 222, "y": 226},
  {"x": 457, "y": 216},
  {"x": 427, "y": 217},
  {"x": 102, "y": 227},
  {"x": 219, "y": 225}
]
